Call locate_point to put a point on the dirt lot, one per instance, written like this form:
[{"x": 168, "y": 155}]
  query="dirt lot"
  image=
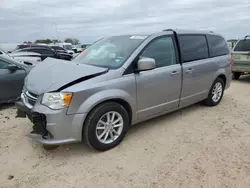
[{"x": 195, "y": 147}]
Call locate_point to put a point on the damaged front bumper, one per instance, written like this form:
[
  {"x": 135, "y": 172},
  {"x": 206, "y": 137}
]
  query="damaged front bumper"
[{"x": 52, "y": 127}]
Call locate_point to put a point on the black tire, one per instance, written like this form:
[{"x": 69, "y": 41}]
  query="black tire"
[
  {"x": 89, "y": 129},
  {"x": 236, "y": 75},
  {"x": 209, "y": 101}
]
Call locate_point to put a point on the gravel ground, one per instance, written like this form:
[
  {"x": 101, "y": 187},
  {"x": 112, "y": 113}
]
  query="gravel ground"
[{"x": 194, "y": 147}]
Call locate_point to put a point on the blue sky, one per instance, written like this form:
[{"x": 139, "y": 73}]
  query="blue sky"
[{"x": 23, "y": 20}]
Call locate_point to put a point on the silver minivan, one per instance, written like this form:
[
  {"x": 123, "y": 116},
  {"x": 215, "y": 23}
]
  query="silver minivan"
[{"x": 120, "y": 81}]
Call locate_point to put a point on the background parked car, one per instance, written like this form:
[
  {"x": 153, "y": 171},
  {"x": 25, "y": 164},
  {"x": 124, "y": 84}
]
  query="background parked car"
[
  {"x": 68, "y": 47},
  {"x": 23, "y": 57},
  {"x": 27, "y": 57},
  {"x": 3, "y": 53},
  {"x": 21, "y": 46},
  {"x": 59, "y": 49},
  {"x": 241, "y": 54},
  {"x": 12, "y": 74},
  {"x": 47, "y": 51},
  {"x": 84, "y": 46}
]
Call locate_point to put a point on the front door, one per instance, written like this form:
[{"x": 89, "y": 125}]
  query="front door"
[
  {"x": 11, "y": 82},
  {"x": 158, "y": 90}
]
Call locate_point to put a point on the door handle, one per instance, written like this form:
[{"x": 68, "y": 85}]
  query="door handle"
[
  {"x": 175, "y": 73},
  {"x": 189, "y": 71}
]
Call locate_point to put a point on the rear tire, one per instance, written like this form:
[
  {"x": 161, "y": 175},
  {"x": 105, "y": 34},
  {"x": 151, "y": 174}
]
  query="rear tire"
[
  {"x": 216, "y": 93},
  {"x": 101, "y": 131},
  {"x": 236, "y": 75}
]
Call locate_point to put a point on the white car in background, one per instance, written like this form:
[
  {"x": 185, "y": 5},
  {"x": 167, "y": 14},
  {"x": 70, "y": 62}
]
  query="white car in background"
[
  {"x": 67, "y": 46},
  {"x": 3, "y": 53},
  {"x": 27, "y": 57},
  {"x": 23, "y": 57}
]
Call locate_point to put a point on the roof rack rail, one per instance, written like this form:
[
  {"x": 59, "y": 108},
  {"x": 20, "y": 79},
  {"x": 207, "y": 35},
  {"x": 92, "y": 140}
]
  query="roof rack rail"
[{"x": 168, "y": 30}]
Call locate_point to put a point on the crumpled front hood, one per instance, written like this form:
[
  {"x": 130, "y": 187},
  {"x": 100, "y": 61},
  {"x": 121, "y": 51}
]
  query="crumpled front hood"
[{"x": 54, "y": 74}]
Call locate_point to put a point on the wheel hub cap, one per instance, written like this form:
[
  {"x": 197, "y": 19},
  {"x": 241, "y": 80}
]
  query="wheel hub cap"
[
  {"x": 217, "y": 92},
  {"x": 109, "y": 127}
]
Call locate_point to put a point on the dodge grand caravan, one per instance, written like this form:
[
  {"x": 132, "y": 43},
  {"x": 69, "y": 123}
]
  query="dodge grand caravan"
[{"x": 122, "y": 80}]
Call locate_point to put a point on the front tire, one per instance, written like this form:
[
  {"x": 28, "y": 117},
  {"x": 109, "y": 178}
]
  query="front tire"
[
  {"x": 216, "y": 93},
  {"x": 106, "y": 126}
]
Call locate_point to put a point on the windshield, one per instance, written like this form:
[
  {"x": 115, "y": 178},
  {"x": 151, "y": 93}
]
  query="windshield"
[
  {"x": 21, "y": 47},
  {"x": 68, "y": 47},
  {"x": 110, "y": 52},
  {"x": 243, "y": 46}
]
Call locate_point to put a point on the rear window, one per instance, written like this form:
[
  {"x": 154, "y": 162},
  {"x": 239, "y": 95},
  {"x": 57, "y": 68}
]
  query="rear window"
[
  {"x": 193, "y": 47},
  {"x": 217, "y": 46},
  {"x": 21, "y": 47},
  {"x": 243, "y": 46}
]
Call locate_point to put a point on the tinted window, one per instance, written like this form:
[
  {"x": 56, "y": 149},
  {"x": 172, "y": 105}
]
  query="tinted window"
[
  {"x": 162, "y": 50},
  {"x": 58, "y": 48},
  {"x": 243, "y": 45},
  {"x": 217, "y": 45},
  {"x": 3, "y": 65},
  {"x": 193, "y": 47}
]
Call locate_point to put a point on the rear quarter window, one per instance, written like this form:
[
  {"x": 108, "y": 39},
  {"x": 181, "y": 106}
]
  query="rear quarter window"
[
  {"x": 193, "y": 47},
  {"x": 217, "y": 46},
  {"x": 242, "y": 46}
]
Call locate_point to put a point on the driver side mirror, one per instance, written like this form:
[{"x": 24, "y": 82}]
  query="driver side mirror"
[
  {"x": 145, "y": 64},
  {"x": 12, "y": 67}
]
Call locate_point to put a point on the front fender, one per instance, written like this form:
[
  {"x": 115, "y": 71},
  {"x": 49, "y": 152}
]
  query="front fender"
[{"x": 103, "y": 96}]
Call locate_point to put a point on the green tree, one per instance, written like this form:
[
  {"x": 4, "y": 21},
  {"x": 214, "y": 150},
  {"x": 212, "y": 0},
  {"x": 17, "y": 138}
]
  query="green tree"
[
  {"x": 73, "y": 41},
  {"x": 45, "y": 41}
]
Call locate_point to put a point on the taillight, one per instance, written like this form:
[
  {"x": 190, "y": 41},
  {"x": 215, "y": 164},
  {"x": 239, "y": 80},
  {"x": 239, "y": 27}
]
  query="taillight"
[{"x": 232, "y": 61}]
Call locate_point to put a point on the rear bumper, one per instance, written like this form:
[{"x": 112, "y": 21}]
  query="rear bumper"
[
  {"x": 52, "y": 127},
  {"x": 237, "y": 67}
]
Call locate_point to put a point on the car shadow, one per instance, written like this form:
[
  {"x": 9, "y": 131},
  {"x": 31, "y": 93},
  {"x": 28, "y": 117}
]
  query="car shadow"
[
  {"x": 134, "y": 131},
  {"x": 244, "y": 79},
  {"x": 4, "y": 106}
]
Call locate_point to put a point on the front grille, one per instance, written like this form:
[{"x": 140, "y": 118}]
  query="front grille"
[
  {"x": 31, "y": 101},
  {"x": 32, "y": 94},
  {"x": 30, "y": 98}
]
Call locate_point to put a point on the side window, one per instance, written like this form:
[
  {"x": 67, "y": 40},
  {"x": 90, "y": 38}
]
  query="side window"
[
  {"x": 49, "y": 52},
  {"x": 217, "y": 46},
  {"x": 32, "y": 50},
  {"x": 193, "y": 47},
  {"x": 162, "y": 50},
  {"x": 3, "y": 65}
]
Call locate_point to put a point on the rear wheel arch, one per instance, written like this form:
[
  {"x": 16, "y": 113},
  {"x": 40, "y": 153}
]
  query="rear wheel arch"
[{"x": 223, "y": 77}]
